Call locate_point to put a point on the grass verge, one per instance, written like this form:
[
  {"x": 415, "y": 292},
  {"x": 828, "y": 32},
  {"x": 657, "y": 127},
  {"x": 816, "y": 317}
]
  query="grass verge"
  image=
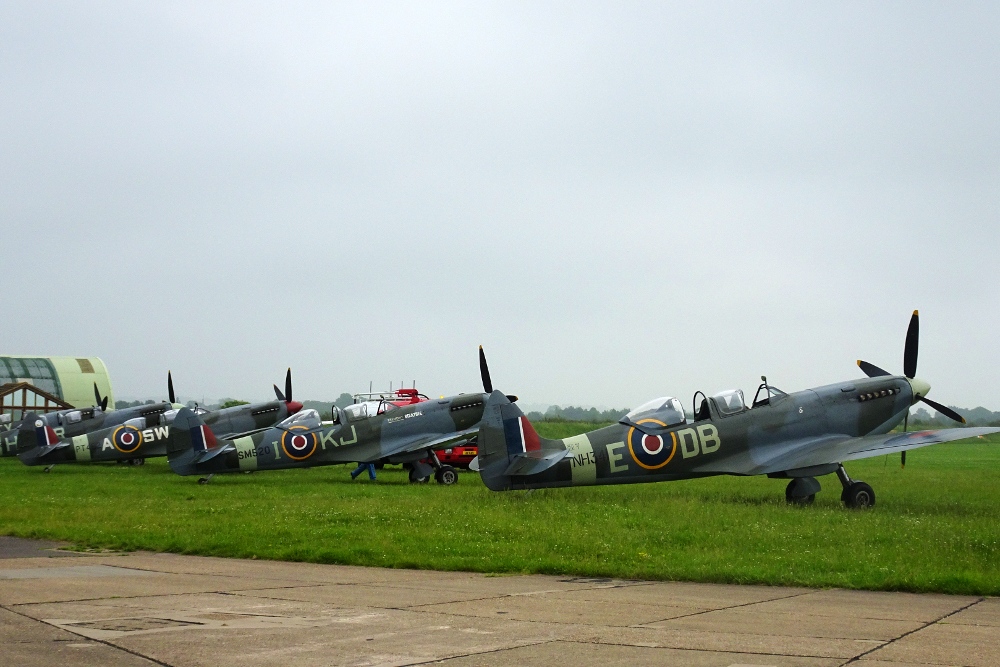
[{"x": 934, "y": 528}]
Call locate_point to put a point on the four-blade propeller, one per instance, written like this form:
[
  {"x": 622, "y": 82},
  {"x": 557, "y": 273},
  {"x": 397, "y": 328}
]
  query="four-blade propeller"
[
  {"x": 484, "y": 371},
  {"x": 293, "y": 406},
  {"x": 910, "y": 368},
  {"x": 102, "y": 403}
]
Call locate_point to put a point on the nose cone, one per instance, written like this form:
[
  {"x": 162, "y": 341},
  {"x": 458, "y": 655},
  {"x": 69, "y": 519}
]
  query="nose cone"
[
  {"x": 293, "y": 407},
  {"x": 919, "y": 388}
]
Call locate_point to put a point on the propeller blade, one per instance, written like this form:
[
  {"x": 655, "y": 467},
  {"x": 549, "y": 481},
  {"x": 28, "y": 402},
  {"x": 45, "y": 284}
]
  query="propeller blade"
[
  {"x": 485, "y": 372},
  {"x": 97, "y": 395},
  {"x": 947, "y": 412},
  {"x": 104, "y": 404},
  {"x": 288, "y": 385},
  {"x": 277, "y": 392},
  {"x": 170, "y": 389},
  {"x": 871, "y": 370},
  {"x": 912, "y": 342}
]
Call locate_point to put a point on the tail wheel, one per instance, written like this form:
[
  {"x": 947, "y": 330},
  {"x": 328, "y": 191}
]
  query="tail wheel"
[
  {"x": 446, "y": 475},
  {"x": 858, "y": 496}
]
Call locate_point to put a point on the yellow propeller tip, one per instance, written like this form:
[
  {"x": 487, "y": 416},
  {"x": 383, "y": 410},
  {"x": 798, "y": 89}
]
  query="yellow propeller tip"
[
  {"x": 859, "y": 362},
  {"x": 916, "y": 312}
]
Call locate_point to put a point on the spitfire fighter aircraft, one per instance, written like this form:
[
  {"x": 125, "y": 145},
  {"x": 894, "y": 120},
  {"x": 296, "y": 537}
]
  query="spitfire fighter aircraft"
[
  {"x": 797, "y": 436},
  {"x": 134, "y": 434},
  {"x": 240, "y": 419},
  {"x": 376, "y": 431},
  {"x": 78, "y": 421}
]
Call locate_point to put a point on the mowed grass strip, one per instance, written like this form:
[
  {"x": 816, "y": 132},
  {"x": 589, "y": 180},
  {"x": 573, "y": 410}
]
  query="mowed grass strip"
[{"x": 935, "y": 526}]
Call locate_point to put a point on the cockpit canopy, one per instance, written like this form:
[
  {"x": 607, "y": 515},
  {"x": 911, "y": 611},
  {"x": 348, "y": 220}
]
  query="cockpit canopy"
[
  {"x": 666, "y": 409},
  {"x": 308, "y": 418},
  {"x": 368, "y": 409},
  {"x": 730, "y": 401}
]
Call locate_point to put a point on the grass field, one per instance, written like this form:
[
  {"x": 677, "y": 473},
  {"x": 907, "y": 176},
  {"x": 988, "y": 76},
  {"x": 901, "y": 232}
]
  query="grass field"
[{"x": 935, "y": 527}]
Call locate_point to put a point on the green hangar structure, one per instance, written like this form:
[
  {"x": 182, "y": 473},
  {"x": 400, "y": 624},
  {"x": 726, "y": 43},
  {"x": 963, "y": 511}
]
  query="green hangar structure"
[{"x": 46, "y": 384}]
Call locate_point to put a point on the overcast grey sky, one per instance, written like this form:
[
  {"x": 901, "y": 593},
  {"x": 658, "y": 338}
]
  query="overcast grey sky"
[{"x": 619, "y": 201}]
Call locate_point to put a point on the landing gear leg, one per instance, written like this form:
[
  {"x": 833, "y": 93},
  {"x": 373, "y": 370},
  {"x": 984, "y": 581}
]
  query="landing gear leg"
[
  {"x": 206, "y": 480},
  {"x": 856, "y": 494},
  {"x": 446, "y": 475}
]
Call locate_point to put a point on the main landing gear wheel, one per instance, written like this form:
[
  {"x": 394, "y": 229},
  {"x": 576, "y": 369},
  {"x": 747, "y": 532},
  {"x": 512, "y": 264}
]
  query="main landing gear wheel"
[
  {"x": 858, "y": 496},
  {"x": 205, "y": 480},
  {"x": 415, "y": 477},
  {"x": 446, "y": 475}
]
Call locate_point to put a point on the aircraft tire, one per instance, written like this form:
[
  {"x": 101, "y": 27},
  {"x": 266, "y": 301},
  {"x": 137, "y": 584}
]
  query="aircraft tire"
[
  {"x": 793, "y": 498},
  {"x": 203, "y": 480},
  {"x": 446, "y": 475},
  {"x": 858, "y": 496},
  {"x": 415, "y": 479}
]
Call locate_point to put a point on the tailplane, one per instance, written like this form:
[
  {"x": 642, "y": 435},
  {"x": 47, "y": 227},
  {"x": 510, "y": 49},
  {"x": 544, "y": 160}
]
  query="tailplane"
[
  {"x": 509, "y": 446},
  {"x": 190, "y": 437},
  {"x": 34, "y": 432}
]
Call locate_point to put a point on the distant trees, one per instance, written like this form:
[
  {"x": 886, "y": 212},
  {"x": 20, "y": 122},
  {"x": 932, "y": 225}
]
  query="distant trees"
[{"x": 574, "y": 414}]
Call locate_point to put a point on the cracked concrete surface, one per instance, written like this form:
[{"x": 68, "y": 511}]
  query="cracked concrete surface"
[{"x": 180, "y": 611}]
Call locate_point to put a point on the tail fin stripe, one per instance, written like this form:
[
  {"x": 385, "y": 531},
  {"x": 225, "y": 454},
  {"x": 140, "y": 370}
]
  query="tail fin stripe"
[
  {"x": 202, "y": 438},
  {"x": 520, "y": 436}
]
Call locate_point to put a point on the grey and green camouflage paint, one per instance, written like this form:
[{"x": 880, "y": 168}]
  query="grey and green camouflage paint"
[{"x": 394, "y": 435}]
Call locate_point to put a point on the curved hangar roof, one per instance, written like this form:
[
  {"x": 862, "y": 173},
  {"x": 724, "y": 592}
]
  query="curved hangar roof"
[{"x": 69, "y": 378}]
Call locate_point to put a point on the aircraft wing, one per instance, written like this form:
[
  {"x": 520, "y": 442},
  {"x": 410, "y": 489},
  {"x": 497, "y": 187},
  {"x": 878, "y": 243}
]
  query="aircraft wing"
[
  {"x": 876, "y": 445},
  {"x": 837, "y": 449},
  {"x": 434, "y": 442}
]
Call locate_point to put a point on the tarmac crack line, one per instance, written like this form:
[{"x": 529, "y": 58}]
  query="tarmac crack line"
[
  {"x": 164, "y": 595},
  {"x": 99, "y": 641},
  {"x": 598, "y": 642},
  {"x": 495, "y": 650},
  {"x": 735, "y": 606},
  {"x": 910, "y": 632}
]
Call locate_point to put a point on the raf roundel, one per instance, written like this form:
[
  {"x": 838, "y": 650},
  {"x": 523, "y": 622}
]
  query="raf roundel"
[
  {"x": 651, "y": 451},
  {"x": 126, "y": 439},
  {"x": 298, "y": 446}
]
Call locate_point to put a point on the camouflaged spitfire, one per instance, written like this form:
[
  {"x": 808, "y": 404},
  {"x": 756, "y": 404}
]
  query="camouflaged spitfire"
[
  {"x": 796, "y": 436},
  {"x": 78, "y": 421},
  {"x": 370, "y": 431},
  {"x": 134, "y": 434}
]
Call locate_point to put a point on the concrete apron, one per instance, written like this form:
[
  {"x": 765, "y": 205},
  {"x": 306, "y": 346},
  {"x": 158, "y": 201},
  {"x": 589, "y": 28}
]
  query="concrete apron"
[{"x": 164, "y": 609}]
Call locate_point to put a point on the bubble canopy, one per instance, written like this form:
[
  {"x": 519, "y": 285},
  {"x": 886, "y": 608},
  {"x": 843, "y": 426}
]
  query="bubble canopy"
[{"x": 666, "y": 409}]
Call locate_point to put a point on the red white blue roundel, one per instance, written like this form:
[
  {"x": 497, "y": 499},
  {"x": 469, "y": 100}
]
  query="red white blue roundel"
[
  {"x": 651, "y": 451},
  {"x": 298, "y": 446},
  {"x": 126, "y": 439}
]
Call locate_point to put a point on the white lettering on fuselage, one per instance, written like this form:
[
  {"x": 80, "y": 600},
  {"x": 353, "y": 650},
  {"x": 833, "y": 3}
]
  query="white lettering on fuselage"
[{"x": 411, "y": 415}]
